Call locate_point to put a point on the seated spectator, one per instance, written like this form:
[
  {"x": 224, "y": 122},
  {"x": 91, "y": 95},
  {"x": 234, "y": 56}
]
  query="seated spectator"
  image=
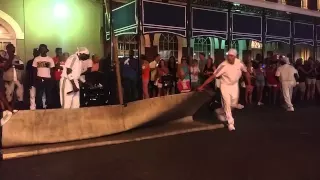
[
  {"x": 95, "y": 63},
  {"x": 194, "y": 70},
  {"x": 43, "y": 73},
  {"x": 30, "y": 80},
  {"x": 13, "y": 76}
]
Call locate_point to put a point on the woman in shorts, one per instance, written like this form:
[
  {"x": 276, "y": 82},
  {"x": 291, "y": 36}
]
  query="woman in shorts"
[{"x": 260, "y": 75}]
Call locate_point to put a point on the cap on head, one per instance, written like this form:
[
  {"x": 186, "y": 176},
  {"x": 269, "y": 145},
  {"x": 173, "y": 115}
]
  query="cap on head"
[
  {"x": 286, "y": 60},
  {"x": 232, "y": 52},
  {"x": 83, "y": 50}
]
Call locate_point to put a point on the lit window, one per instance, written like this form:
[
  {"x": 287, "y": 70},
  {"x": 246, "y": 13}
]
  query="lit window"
[
  {"x": 201, "y": 44},
  {"x": 256, "y": 45},
  {"x": 168, "y": 46},
  {"x": 127, "y": 43}
]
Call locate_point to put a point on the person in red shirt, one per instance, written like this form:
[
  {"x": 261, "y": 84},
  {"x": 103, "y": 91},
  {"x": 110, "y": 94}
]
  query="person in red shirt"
[
  {"x": 58, "y": 61},
  {"x": 272, "y": 82}
]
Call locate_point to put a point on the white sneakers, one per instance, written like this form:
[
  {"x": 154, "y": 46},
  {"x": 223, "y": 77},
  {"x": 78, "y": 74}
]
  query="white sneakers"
[
  {"x": 231, "y": 127},
  {"x": 260, "y": 103},
  {"x": 6, "y": 116},
  {"x": 220, "y": 115},
  {"x": 239, "y": 106},
  {"x": 291, "y": 109}
]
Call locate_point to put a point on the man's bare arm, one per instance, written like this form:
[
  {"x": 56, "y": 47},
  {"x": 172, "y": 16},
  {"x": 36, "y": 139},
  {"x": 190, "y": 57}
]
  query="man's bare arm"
[{"x": 209, "y": 80}]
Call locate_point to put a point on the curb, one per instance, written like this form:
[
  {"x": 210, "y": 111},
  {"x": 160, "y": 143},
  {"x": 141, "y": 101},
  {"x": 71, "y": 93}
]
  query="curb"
[{"x": 12, "y": 153}]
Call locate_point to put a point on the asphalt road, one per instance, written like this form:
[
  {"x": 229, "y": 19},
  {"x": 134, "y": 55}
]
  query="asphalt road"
[{"x": 269, "y": 144}]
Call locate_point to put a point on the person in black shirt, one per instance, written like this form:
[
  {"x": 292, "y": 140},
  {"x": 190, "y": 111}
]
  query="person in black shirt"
[
  {"x": 310, "y": 79},
  {"x": 301, "y": 87},
  {"x": 29, "y": 88}
]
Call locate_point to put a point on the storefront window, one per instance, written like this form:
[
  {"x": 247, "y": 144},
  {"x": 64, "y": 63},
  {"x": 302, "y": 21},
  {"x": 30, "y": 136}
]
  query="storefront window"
[
  {"x": 201, "y": 44},
  {"x": 168, "y": 46},
  {"x": 127, "y": 43}
]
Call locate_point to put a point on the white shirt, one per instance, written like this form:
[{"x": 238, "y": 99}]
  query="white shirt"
[
  {"x": 74, "y": 63},
  {"x": 194, "y": 78},
  {"x": 153, "y": 65},
  {"x": 286, "y": 73},
  {"x": 86, "y": 65},
  {"x": 43, "y": 65},
  {"x": 230, "y": 73}
]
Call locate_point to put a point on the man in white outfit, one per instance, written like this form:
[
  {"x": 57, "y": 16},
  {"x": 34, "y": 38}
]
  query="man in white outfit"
[
  {"x": 287, "y": 75},
  {"x": 229, "y": 72},
  {"x": 69, "y": 82}
]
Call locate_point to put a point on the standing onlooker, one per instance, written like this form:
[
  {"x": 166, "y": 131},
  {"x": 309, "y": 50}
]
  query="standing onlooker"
[
  {"x": 248, "y": 92},
  {"x": 287, "y": 75},
  {"x": 272, "y": 83},
  {"x": 130, "y": 78},
  {"x": 260, "y": 75},
  {"x": 59, "y": 63},
  {"x": 172, "y": 66},
  {"x": 8, "y": 110},
  {"x": 162, "y": 71},
  {"x": 301, "y": 86},
  {"x": 29, "y": 85},
  {"x": 145, "y": 76},
  {"x": 43, "y": 73},
  {"x": 208, "y": 71},
  {"x": 13, "y": 76},
  {"x": 194, "y": 70},
  {"x": 318, "y": 78},
  {"x": 95, "y": 63},
  {"x": 184, "y": 76},
  {"x": 153, "y": 69},
  {"x": 311, "y": 79},
  {"x": 70, "y": 77},
  {"x": 202, "y": 63}
]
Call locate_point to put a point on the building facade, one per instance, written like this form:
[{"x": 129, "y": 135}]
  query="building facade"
[{"x": 252, "y": 27}]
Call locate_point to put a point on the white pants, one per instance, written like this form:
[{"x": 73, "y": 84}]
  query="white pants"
[
  {"x": 287, "y": 89},
  {"x": 229, "y": 98},
  {"x": 69, "y": 101}
]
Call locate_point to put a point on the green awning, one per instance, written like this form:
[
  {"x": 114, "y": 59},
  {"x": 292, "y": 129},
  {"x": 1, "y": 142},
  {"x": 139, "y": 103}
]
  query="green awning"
[{"x": 124, "y": 20}]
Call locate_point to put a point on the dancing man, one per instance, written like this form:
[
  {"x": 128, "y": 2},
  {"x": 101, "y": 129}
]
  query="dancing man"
[
  {"x": 69, "y": 82},
  {"x": 229, "y": 72}
]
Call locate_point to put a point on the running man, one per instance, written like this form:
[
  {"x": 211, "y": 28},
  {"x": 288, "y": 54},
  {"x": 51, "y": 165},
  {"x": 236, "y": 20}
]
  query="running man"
[
  {"x": 229, "y": 72},
  {"x": 69, "y": 82}
]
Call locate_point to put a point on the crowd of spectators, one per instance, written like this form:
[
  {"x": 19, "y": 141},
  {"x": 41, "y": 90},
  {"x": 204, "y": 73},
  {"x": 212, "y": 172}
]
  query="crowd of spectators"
[{"x": 37, "y": 85}]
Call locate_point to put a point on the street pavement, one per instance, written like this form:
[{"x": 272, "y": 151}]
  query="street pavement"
[{"x": 268, "y": 144}]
